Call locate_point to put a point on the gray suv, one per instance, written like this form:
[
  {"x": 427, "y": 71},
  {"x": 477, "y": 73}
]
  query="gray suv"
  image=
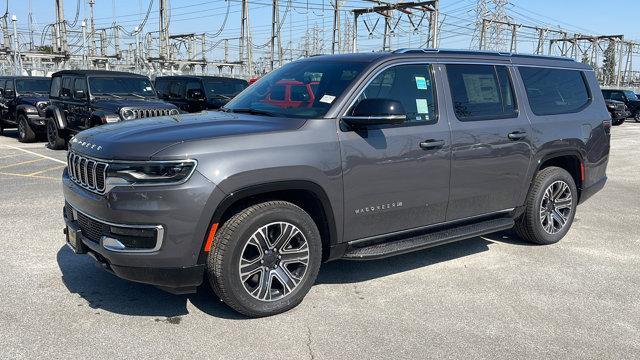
[{"x": 391, "y": 153}]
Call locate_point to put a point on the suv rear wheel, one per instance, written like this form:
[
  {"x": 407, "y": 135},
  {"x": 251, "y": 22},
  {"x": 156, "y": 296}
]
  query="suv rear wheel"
[
  {"x": 265, "y": 259},
  {"x": 25, "y": 132},
  {"x": 636, "y": 116},
  {"x": 54, "y": 139},
  {"x": 550, "y": 207}
]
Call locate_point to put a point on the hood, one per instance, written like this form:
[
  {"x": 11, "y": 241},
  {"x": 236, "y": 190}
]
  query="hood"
[
  {"x": 33, "y": 99},
  {"x": 116, "y": 104},
  {"x": 140, "y": 139}
]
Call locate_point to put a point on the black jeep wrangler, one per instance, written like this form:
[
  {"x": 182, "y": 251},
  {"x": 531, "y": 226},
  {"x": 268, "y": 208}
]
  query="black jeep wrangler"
[
  {"x": 23, "y": 101},
  {"x": 82, "y": 99},
  {"x": 197, "y": 93}
]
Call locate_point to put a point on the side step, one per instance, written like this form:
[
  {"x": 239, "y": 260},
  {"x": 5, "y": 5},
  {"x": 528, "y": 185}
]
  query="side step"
[{"x": 423, "y": 241}]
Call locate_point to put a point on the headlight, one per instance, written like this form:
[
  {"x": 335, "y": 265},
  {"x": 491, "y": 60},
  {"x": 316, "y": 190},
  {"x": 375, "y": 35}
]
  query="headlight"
[
  {"x": 611, "y": 106},
  {"x": 150, "y": 173},
  {"x": 41, "y": 105},
  {"x": 174, "y": 112},
  {"x": 127, "y": 114}
]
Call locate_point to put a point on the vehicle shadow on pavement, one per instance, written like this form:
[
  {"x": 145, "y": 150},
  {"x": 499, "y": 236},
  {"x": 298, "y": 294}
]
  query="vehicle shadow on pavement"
[
  {"x": 349, "y": 271},
  {"x": 105, "y": 291}
]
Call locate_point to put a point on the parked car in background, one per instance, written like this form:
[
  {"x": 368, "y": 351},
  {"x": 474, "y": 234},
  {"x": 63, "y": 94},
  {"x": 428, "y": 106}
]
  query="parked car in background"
[
  {"x": 82, "y": 99},
  {"x": 197, "y": 93},
  {"x": 618, "y": 111},
  {"x": 23, "y": 101},
  {"x": 292, "y": 93},
  {"x": 626, "y": 96},
  {"x": 397, "y": 152}
]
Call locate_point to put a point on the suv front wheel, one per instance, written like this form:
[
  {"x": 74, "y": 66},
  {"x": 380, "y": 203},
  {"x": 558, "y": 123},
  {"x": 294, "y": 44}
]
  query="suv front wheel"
[
  {"x": 55, "y": 141},
  {"x": 25, "y": 132},
  {"x": 265, "y": 258},
  {"x": 549, "y": 208}
]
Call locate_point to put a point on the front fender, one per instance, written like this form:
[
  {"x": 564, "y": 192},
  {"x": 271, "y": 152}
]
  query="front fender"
[{"x": 53, "y": 112}]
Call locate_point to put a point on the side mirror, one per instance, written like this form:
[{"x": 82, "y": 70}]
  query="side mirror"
[
  {"x": 195, "y": 94},
  {"x": 376, "y": 112},
  {"x": 80, "y": 94}
]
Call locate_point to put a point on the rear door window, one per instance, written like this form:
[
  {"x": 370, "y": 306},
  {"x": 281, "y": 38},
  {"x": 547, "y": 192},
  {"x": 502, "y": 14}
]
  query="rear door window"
[
  {"x": 67, "y": 85},
  {"x": 177, "y": 89},
  {"x": 555, "y": 91},
  {"x": 56, "y": 83},
  {"x": 79, "y": 84},
  {"x": 481, "y": 92}
]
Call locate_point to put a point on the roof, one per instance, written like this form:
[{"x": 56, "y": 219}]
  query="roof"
[
  {"x": 198, "y": 77},
  {"x": 24, "y": 77},
  {"x": 96, "y": 72},
  {"x": 452, "y": 54}
]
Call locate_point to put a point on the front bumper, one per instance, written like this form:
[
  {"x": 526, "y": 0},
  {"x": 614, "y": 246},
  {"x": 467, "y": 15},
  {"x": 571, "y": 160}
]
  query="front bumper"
[
  {"x": 183, "y": 212},
  {"x": 620, "y": 114},
  {"x": 36, "y": 121}
]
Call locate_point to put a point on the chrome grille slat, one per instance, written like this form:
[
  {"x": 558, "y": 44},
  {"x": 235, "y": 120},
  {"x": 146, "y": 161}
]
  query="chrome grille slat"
[
  {"x": 87, "y": 173},
  {"x": 146, "y": 113}
]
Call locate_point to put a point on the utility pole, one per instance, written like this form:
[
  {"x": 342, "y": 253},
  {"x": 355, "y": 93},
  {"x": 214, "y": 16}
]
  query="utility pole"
[
  {"x": 275, "y": 32},
  {"x": 433, "y": 21},
  {"x": 61, "y": 27},
  {"x": 84, "y": 44},
  {"x": 92, "y": 29},
  {"x": 163, "y": 30},
  {"x": 244, "y": 11},
  {"x": 16, "y": 57},
  {"x": 5, "y": 32},
  {"x": 336, "y": 26}
]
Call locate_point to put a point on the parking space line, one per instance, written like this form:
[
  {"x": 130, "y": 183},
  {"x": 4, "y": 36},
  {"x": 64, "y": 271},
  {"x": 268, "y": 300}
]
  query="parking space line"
[
  {"x": 36, "y": 154},
  {"x": 45, "y": 170},
  {"x": 28, "y": 175},
  {"x": 20, "y": 163}
]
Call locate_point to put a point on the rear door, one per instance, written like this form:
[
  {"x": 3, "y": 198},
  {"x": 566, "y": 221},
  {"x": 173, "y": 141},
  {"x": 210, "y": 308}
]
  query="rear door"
[
  {"x": 9, "y": 108},
  {"x": 397, "y": 177},
  {"x": 491, "y": 140}
]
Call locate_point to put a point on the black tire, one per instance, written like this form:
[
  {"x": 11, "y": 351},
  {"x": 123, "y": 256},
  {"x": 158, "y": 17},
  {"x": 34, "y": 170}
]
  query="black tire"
[
  {"x": 636, "y": 116},
  {"x": 529, "y": 226},
  {"x": 1, "y": 127},
  {"x": 230, "y": 245},
  {"x": 618, "y": 122},
  {"x": 25, "y": 132},
  {"x": 55, "y": 140}
]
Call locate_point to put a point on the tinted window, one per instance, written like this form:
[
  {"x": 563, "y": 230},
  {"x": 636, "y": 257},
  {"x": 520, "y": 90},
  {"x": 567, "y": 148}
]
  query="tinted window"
[
  {"x": 8, "y": 86},
  {"x": 121, "y": 85},
  {"x": 33, "y": 85},
  {"x": 162, "y": 87},
  {"x": 229, "y": 87},
  {"x": 177, "y": 89},
  {"x": 55, "y": 86},
  {"x": 67, "y": 84},
  {"x": 332, "y": 78},
  {"x": 409, "y": 84},
  {"x": 630, "y": 95},
  {"x": 80, "y": 84},
  {"x": 616, "y": 95},
  {"x": 481, "y": 92},
  {"x": 554, "y": 91}
]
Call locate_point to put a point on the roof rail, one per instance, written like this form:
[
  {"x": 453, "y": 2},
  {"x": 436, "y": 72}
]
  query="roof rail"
[{"x": 475, "y": 52}]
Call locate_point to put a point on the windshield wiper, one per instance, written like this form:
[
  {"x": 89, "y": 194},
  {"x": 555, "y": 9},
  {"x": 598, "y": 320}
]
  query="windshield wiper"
[
  {"x": 137, "y": 95},
  {"x": 250, "y": 111},
  {"x": 109, "y": 94}
]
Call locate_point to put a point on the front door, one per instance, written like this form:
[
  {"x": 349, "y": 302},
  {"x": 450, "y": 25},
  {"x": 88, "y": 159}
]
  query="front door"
[
  {"x": 491, "y": 140},
  {"x": 397, "y": 177}
]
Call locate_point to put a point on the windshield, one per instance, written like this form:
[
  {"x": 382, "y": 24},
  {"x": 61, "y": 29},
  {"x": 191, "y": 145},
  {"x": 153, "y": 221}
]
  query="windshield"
[
  {"x": 223, "y": 86},
  {"x": 304, "y": 89},
  {"x": 121, "y": 86},
  {"x": 631, "y": 95},
  {"x": 33, "y": 85}
]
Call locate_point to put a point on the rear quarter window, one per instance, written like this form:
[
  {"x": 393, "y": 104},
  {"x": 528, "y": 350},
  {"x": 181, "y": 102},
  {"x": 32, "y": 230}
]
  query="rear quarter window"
[
  {"x": 555, "y": 91},
  {"x": 56, "y": 82}
]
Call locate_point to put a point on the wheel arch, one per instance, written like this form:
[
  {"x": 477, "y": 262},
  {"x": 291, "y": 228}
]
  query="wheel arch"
[
  {"x": 306, "y": 194},
  {"x": 53, "y": 112}
]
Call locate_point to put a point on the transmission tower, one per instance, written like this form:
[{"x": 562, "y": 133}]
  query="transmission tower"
[{"x": 492, "y": 34}]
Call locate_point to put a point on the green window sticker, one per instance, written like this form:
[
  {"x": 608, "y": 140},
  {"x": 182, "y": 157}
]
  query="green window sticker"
[
  {"x": 422, "y": 106},
  {"x": 421, "y": 83}
]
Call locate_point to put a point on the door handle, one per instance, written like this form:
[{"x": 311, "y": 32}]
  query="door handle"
[
  {"x": 517, "y": 135},
  {"x": 431, "y": 144}
]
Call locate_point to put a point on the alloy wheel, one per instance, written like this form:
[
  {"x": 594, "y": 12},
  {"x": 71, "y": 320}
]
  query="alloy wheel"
[
  {"x": 22, "y": 132},
  {"x": 51, "y": 133},
  {"x": 556, "y": 207},
  {"x": 274, "y": 260}
]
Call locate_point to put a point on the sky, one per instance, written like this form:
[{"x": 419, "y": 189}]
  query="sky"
[{"x": 187, "y": 16}]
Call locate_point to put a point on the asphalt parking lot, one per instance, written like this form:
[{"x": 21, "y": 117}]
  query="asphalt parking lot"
[{"x": 489, "y": 297}]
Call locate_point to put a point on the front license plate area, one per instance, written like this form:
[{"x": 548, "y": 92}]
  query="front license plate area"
[{"x": 74, "y": 240}]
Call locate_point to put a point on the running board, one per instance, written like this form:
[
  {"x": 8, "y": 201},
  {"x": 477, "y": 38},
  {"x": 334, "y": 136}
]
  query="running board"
[{"x": 423, "y": 241}]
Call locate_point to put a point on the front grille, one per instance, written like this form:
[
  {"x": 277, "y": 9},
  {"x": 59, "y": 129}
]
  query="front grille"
[
  {"x": 86, "y": 172},
  {"x": 145, "y": 113},
  {"x": 620, "y": 106}
]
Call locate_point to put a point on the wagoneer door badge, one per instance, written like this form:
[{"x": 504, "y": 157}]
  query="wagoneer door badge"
[{"x": 378, "y": 208}]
